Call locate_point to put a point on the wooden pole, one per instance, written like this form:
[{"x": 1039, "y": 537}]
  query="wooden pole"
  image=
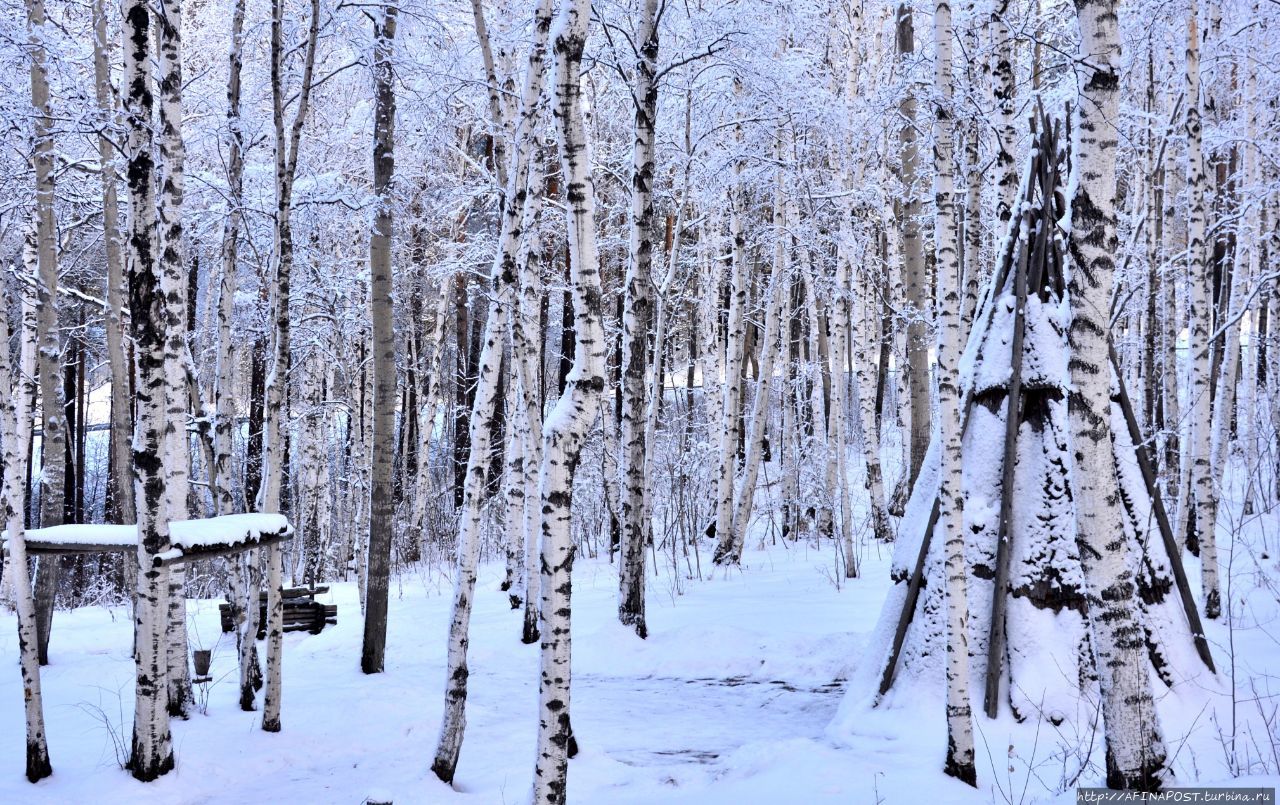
[
  {"x": 1004, "y": 536},
  {"x": 1013, "y": 419},
  {"x": 1162, "y": 518},
  {"x": 909, "y": 606}
]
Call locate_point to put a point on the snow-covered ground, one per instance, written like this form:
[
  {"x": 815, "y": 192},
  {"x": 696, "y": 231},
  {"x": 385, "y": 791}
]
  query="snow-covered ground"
[{"x": 730, "y": 700}]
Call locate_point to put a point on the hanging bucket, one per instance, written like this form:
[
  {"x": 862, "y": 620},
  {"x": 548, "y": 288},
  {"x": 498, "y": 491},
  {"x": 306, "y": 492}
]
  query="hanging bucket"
[{"x": 202, "y": 658}]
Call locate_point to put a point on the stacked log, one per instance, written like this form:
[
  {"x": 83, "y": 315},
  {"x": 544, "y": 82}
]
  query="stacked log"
[{"x": 301, "y": 612}]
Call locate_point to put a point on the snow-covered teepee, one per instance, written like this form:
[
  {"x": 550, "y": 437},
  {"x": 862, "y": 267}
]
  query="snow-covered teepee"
[{"x": 1025, "y": 584}]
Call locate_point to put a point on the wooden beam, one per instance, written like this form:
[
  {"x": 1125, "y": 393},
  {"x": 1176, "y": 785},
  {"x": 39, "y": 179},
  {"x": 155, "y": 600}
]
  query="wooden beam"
[
  {"x": 69, "y": 549},
  {"x": 192, "y": 554}
]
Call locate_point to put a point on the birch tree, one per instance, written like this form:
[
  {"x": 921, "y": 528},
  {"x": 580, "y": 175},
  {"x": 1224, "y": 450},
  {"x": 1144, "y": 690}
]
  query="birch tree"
[
  {"x": 528, "y": 387},
  {"x": 275, "y": 417},
  {"x": 17, "y": 390},
  {"x": 636, "y": 322},
  {"x": 173, "y": 286},
  {"x": 243, "y": 587},
  {"x": 732, "y": 540},
  {"x": 151, "y": 752},
  {"x": 121, "y": 378},
  {"x": 503, "y": 282},
  {"x": 1135, "y": 755},
  {"x": 381, "y": 498},
  {"x": 1199, "y": 503},
  {"x": 960, "y": 754},
  {"x": 53, "y": 424},
  {"x": 567, "y": 424},
  {"x": 730, "y": 422},
  {"x": 914, "y": 273}
]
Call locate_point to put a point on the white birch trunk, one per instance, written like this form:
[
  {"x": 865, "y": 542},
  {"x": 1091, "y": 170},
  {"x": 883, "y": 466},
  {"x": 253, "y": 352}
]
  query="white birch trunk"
[
  {"x": 434, "y": 335},
  {"x": 569, "y": 420},
  {"x": 173, "y": 285},
  {"x": 733, "y": 540},
  {"x": 275, "y": 436},
  {"x": 151, "y": 751},
  {"x": 951, "y": 341},
  {"x": 513, "y": 486},
  {"x": 1135, "y": 752},
  {"x": 53, "y": 433},
  {"x": 1199, "y": 496},
  {"x": 730, "y": 421},
  {"x": 526, "y": 356},
  {"x": 1003, "y": 92},
  {"x": 242, "y": 594},
  {"x": 636, "y": 322},
  {"x": 121, "y": 379},
  {"x": 15, "y": 421},
  {"x": 915, "y": 277}
]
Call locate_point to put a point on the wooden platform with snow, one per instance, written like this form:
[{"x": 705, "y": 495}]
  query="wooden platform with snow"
[{"x": 190, "y": 539}]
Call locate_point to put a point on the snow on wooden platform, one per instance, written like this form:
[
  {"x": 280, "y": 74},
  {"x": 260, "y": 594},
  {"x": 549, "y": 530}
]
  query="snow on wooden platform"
[{"x": 213, "y": 536}]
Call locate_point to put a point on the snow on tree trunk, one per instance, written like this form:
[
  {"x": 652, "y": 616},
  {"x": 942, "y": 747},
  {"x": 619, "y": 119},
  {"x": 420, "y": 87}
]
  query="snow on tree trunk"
[
  {"x": 569, "y": 420},
  {"x": 656, "y": 380},
  {"x": 712, "y": 274},
  {"x": 313, "y": 517},
  {"x": 224, "y": 373},
  {"x": 1250, "y": 238},
  {"x": 513, "y": 487},
  {"x": 15, "y": 431},
  {"x": 243, "y": 575},
  {"x": 381, "y": 494},
  {"x": 636, "y": 323},
  {"x": 867, "y": 328},
  {"x": 1134, "y": 749},
  {"x": 503, "y": 279},
  {"x": 434, "y": 335},
  {"x": 151, "y": 751},
  {"x": 960, "y": 756},
  {"x": 974, "y": 272}
]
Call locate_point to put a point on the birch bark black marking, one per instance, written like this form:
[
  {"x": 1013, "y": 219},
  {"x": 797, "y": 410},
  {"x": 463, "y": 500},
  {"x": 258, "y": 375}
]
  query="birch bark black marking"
[{"x": 960, "y": 745}]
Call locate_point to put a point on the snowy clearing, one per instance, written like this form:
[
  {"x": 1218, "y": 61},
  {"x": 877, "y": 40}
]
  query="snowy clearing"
[{"x": 729, "y": 701}]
